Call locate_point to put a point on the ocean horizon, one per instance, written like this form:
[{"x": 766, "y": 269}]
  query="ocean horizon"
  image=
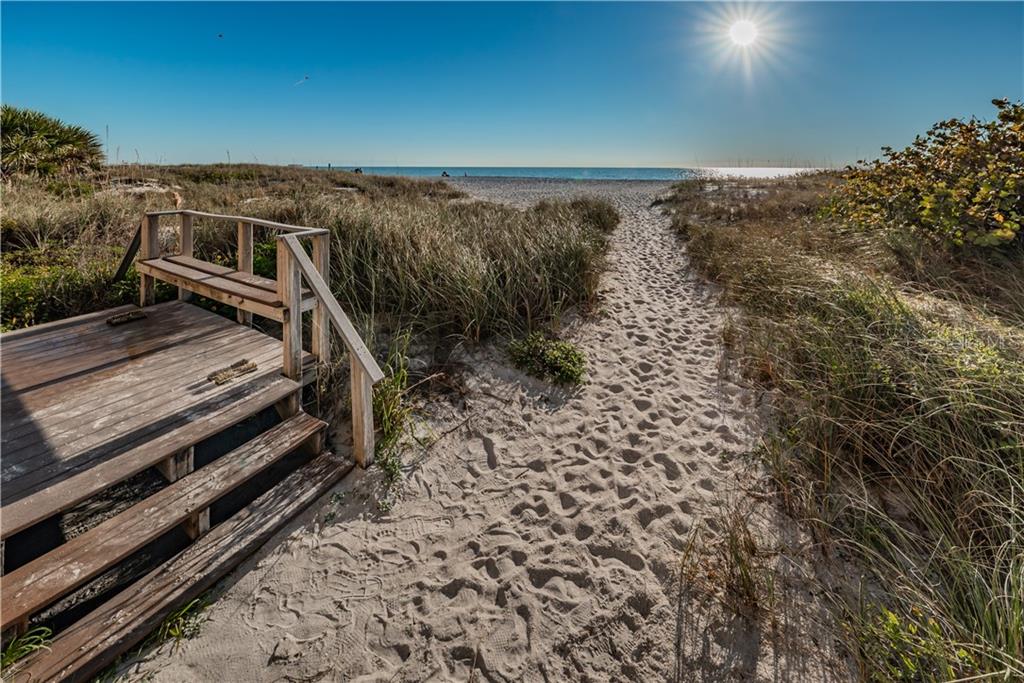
[{"x": 571, "y": 172}]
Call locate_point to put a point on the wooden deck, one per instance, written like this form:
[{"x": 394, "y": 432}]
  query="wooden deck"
[
  {"x": 87, "y": 405},
  {"x": 92, "y": 401}
]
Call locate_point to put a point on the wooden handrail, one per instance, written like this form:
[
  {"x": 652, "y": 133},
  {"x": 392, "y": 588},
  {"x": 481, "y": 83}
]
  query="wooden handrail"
[
  {"x": 293, "y": 265},
  {"x": 283, "y": 227},
  {"x": 341, "y": 322},
  {"x": 293, "y": 262}
]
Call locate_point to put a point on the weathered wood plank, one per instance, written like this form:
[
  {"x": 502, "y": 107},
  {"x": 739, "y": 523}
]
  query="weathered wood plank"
[
  {"x": 53, "y": 489},
  {"x": 26, "y": 376},
  {"x": 323, "y": 293},
  {"x": 362, "y": 414},
  {"x": 76, "y": 331},
  {"x": 97, "y": 639},
  {"x": 289, "y": 286},
  {"x": 282, "y": 227},
  {"x": 150, "y": 250},
  {"x": 165, "y": 268},
  {"x": 244, "y": 262},
  {"x": 55, "y": 328},
  {"x": 125, "y": 383},
  {"x": 63, "y": 390},
  {"x": 185, "y": 248},
  {"x": 42, "y": 581},
  {"x": 177, "y": 465},
  {"x": 321, "y": 342},
  {"x": 130, "y": 417},
  {"x": 257, "y": 281},
  {"x": 129, "y": 255}
]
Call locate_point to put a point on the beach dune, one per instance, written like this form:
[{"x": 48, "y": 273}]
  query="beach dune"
[{"x": 545, "y": 535}]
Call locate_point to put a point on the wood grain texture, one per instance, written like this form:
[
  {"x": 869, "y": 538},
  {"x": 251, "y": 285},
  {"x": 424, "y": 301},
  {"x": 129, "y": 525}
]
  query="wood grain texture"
[
  {"x": 362, "y": 414},
  {"x": 42, "y": 581},
  {"x": 348, "y": 333},
  {"x": 185, "y": 248},
  {"x": 244, "y": 263},
  {"x": 281, "y": 227},
  {"x": 289, "y": 287},
  {"x": 86, "y": 405},
  {"x": 321, "y": 342},
  {"x": 150, "y": 249},
  {"x": 96, "y": 640}
]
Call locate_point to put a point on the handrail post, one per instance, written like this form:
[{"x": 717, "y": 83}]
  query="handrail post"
[
  {"x": 364, "y": 371},
  {"x": 150, "y": 249},
  {"x": 186, "y": 247},
  {"x": 321, "y": 342},
  {"x": 245, "y": 263},
  {"x": 362, "y": 413},
  {"x": 289, "y": 290}
]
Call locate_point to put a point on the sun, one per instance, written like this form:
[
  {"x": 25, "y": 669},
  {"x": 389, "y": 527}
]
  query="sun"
[
  {"x": 743, "y": 32},
  {"x": 751, "y": 38}
]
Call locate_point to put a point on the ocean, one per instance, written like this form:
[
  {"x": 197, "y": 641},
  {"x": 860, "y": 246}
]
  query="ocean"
[{"x": 568, "y": 172}]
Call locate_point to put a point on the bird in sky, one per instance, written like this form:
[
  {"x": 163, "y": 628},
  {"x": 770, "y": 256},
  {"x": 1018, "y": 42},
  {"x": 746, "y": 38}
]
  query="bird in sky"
[
  {"x": 303, "y": 80},
  {"x": 220, "y": 35}
]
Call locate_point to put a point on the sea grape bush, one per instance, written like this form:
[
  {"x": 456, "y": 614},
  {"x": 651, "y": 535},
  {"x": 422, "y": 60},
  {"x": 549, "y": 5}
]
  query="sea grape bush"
[{"x": 962, "y": 183}]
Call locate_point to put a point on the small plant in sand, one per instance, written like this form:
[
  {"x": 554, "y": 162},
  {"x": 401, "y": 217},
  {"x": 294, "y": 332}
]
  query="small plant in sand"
[
  {"x": 181, "y": 624},
  {"x": 552, "y": 359},
  {"x": 730, "y": 565},
  {"x": 391, "y": 413},
  {"x": 908, "y": 648},
  {"x": 22, "y": 646}
]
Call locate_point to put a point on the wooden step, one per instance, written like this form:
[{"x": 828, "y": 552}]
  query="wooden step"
[
  {"x": 243, "y": 290},
  {"x": 46, "y": 579},
  {"x": 97, "y": 639},
  {"x": 54, "y": 488}
]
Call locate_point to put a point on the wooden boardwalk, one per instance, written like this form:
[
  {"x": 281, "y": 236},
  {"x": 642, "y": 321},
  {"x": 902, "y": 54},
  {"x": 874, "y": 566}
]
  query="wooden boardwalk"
[{"x": 92, "y": 401}]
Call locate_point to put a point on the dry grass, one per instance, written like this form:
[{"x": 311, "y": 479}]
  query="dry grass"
[
  {"x": 900, "y": 436},
  {"x": 405, "y": 253}
]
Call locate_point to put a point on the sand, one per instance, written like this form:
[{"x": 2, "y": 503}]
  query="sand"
[{"x": 544, "y": 536}]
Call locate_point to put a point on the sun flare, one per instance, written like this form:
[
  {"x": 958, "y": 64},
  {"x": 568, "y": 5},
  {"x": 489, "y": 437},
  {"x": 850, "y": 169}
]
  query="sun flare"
[
  {"x": 755, "y": 39},
  {"x": 743, "y": 32}
]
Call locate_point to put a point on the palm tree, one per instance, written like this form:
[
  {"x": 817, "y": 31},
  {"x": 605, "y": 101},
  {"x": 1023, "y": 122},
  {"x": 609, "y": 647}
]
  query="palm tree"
[{"x": 37, "y": 144}]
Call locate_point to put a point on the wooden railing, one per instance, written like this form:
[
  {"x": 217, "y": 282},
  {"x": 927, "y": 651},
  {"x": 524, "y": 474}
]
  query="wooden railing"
[{"x": 293, "y": 266}]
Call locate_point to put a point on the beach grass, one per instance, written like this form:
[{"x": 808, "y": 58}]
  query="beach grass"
[
  {"x": 406, "y": 253},
  {"x": 896, "y": 366}
]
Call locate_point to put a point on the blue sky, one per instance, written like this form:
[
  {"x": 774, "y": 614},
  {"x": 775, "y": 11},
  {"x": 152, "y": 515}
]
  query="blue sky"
[{"x": 508, "y": 84}]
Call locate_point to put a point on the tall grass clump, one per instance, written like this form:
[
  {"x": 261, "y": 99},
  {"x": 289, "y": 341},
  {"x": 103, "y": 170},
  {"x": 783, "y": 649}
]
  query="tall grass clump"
[
  {"x": 408, "y": 253},
  {"x": 900, "y": 415},
  {"x": 466, "y": 268}
]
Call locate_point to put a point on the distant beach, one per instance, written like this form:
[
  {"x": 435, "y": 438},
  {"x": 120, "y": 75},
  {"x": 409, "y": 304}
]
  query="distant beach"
[{"x": 574, "y": 172}]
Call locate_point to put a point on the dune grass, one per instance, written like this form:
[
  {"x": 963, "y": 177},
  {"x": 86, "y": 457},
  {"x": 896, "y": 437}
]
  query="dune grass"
[
  {"x": 900, "y": 413},
  {"x": 406, "y": 253}
]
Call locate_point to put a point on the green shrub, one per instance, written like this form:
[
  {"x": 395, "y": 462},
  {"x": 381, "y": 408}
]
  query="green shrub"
[
  {"x": 960, "y": 184},
  {"x": 552, "y": 359},
  {"x": 39, "y": 286}
]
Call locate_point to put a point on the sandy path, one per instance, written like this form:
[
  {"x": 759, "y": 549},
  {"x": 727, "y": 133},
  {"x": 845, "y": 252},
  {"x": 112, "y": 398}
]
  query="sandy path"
[{"x": 543, "y": 540}]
